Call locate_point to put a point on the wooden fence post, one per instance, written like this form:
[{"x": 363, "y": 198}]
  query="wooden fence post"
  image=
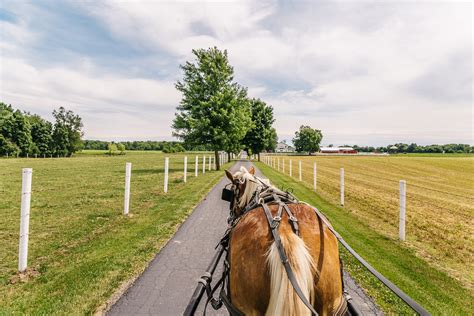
[
  {"x": 283, "y": 165},
  {"x": 301, "y": 178},
  {"x": 210, "y": 162},
  {"x": 128, "y": 175},
  {"x": 185, "y": 168},
  {"x": 196, "y": 166},
  {"x": 167, "y": 162},
  {"x": 342, "y": 186},
  {"x": 403, "y": 199},
  {"x": 315, "y": 177},
  {"x": 25, "y": 218},
  {"x": 291, "y": 168}
]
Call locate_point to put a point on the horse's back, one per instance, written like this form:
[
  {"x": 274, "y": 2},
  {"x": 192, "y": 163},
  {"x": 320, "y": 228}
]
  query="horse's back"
[{"x": 249, "y": 246}]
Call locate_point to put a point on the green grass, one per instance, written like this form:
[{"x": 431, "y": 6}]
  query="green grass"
[
  {"x": 81, "y": 247},
  {"x": 433, "y": 289}
]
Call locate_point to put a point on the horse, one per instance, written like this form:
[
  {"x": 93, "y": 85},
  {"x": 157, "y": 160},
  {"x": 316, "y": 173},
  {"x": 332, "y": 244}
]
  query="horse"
[{"x": 258, "y": 282}]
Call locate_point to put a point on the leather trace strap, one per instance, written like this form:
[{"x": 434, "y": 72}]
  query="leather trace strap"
[{"x": 274, "y": 223}]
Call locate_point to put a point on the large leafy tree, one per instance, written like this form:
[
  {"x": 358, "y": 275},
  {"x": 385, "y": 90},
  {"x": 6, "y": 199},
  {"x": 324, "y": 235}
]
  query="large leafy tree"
[
  {"x": 259, "y": 136},
  {"x": 67, "y": 132},
  {"x": 15, "y": 130},
  {"x": 41, "y": 134},
  {"x": 214, "y": 110},
  {"x": 307, "y": 139}
]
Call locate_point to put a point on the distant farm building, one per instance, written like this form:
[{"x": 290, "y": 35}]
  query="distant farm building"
[
  {"x": 338, "y": 150},
  {"x": 284, "y": 148}
]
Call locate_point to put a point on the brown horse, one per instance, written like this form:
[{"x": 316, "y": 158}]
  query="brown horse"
[{"x": 259, "y": 284}]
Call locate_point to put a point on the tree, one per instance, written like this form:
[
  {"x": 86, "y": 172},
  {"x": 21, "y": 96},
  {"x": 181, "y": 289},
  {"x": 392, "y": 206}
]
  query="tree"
[
  {"x": 111, "y": 148},
  {"x": 41, "y": 134},
  {"x": 121, "y": 148},
  {"x": 60, "y": 140},
  {"x": 258, "y": 137},
  {"x": 307, "y": 139},
  {"x": 21, "y": 135},
  {"x": 67, "y": 132},
  {"x": 272, "y": 140},
  {"x": 214, "y": 110},
  {"x": 7, "y": 147}
]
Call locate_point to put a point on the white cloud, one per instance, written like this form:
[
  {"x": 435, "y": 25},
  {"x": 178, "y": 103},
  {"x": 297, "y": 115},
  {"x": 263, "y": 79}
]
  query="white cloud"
[
  {"x": 371, "y": 72},
  {"x": 111, "y": 106}
]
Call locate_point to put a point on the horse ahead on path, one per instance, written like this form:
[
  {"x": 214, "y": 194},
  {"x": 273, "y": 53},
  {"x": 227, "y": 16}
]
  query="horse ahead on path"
[{"x": 283, "y": 258}]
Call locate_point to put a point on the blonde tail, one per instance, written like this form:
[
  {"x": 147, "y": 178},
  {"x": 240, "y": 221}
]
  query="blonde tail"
[{"x": 283, "y": 298}]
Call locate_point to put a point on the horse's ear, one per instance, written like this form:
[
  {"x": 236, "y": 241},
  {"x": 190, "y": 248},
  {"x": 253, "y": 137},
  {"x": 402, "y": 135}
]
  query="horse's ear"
[
  {"x": 229, "y": 175},
  {"x": 252, "y": 170}
]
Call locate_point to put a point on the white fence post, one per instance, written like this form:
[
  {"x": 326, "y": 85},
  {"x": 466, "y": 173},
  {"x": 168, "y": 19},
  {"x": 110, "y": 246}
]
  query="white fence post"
[
  {"x": 403, "y": 200},
  {"x": 128, "y": 175},
  {"x": 185, "y": 168},
  {"x": 209, "y": 161},
  {"x": 291, "y": 167},
  {"x": 315, "y": 177},
  {"x": 214, "y": 160},
  {"x": 278, "y": 164},
  {"x": 342, "y": 186},
  {"x": 203, "y": 163},
  {"x": 299, "y": 164},
  {"x": 165, "y": 185},
  {"x": 25, "y": 218},
  {"x": 196, "y": 166},
  {"x": 283, "y": 166}
]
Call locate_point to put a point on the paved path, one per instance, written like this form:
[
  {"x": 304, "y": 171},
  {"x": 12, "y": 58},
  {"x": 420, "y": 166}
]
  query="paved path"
[{"x": 168, "y": 283}]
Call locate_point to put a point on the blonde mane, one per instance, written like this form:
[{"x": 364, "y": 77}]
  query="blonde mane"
[{"x": 243, "y": 175}]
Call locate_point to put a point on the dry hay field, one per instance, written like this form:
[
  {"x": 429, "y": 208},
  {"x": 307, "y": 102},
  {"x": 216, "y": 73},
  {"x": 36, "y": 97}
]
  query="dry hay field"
[{"x": 440, "y": 201}]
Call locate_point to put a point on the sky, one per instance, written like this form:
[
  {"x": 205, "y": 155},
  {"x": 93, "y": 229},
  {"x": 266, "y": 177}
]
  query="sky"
[{"x": 363, "y": 72}]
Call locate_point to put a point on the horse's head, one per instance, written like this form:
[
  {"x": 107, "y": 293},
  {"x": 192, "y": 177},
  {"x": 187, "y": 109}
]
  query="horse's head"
[{"x": 244, "y": 184}]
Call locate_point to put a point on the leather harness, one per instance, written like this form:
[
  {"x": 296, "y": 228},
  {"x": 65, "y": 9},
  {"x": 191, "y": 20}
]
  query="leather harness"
[{"x": 262, "y": 197}]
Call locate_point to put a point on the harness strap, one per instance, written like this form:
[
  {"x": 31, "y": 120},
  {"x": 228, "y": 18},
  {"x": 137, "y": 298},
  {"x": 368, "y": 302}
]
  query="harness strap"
[
  {"x": 284, "y": 258},
  {"x": 292, "y": 219}
]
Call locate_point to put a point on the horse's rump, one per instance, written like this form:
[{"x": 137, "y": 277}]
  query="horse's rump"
[{"x": 250, "y": 244}]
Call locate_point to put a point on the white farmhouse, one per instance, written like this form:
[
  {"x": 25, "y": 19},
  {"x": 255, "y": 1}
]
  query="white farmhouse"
[{"x": 284, "y": 148}]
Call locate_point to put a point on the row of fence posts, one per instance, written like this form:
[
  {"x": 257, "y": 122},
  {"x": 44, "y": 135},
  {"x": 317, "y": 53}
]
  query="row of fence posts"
[
  {"x": 274, "y": 162},
  {"x": 26, "y": 196}
]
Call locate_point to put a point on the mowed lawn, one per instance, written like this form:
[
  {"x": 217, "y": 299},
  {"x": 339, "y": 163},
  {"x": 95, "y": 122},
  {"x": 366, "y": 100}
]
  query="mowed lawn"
[
  {"x": 440, "y": 201},
  {"x": 81, "y": 247}
]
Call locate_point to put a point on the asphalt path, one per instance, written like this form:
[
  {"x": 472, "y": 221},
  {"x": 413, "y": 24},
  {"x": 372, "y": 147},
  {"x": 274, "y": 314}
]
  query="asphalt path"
[{"x": 166, "y": 286}]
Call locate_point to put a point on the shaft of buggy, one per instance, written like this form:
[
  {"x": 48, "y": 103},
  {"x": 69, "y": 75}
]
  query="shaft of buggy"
[{"x": 200, "y": 288}]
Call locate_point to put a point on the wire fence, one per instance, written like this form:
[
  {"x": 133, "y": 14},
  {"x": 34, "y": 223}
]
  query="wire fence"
[{"x": 377, "y": 194}]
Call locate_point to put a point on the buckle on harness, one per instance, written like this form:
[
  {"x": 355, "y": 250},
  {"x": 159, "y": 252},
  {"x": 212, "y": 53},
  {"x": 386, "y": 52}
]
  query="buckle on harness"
[{"x": 276, "y": 222}]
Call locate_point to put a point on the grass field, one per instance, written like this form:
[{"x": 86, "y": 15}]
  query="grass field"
[
  {"x": 440, "y": 201},
  {"x": 81, "y": 247},
  {"x": 434, "y": 289}
]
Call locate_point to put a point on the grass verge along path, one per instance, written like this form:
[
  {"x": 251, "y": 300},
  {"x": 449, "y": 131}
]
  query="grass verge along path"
[
  {"x": 433, "y": 289},
  {"x": 81, "y": 247}
]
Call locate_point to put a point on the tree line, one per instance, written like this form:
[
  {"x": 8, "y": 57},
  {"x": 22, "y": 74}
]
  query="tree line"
[
  {"x": 414, "y": 148},
  {"x": 216, "y": 111},
  {"x": 165, "y": 146},
  {"x": 25, "y": 134}
]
